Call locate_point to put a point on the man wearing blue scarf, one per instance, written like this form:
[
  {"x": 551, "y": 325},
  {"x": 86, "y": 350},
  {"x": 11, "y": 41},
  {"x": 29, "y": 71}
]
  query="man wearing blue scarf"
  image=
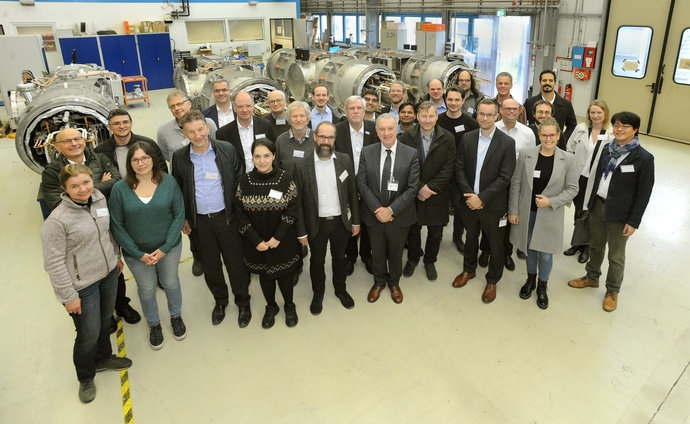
[{"x": 622, "y": 186}]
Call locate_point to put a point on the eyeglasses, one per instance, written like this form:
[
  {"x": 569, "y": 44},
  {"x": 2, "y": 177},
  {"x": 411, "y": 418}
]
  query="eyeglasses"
[
  {"x": 142, "y": 160},
  {"x": 463, "y": 80},
  {"x": 70, "y": 140},
  {"x": 548, "y": 135},
  {"x": 275, "y": 102},
  {"x": 120, "y": 123},
  {"x": 176, "y": 105},
  {"x": 221, "y": 90},
  {"x": 623, "y": 126},
  {"x": 326, "y": 137},
  {"x": 485, "y": 115},
  {"x": 371, "y": 99}
]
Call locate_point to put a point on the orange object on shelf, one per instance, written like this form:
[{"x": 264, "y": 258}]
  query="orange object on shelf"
[{"x": 131, "y": 96}]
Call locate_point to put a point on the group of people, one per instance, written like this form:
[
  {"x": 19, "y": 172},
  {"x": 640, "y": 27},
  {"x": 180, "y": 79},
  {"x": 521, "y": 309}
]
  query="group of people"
[{"x": 257, "y": 194}]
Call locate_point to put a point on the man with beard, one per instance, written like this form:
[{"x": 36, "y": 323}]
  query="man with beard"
[
  {"x": 221, "y": 113},
  {"x": 563, "y": 110},
  {"x": 277, "y": 101},
  {"x": 396, "y": 92},
  {"x": 473, "y": 96},
  {"x": 329, "y": 213}
]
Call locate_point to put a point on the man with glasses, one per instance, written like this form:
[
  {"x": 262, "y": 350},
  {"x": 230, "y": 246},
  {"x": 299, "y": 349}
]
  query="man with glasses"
[
  {"x": 396, "y": 92},
  {"x": 563, "y": 111},
  {"x": 242, "y": 132},
  {"x": 372, "y": 104},
  {"x": 330, "y": 213},
  {"x": 221, "y": 113},
  {"x": 473, "y": 96},
  {"x": 277, "y": 118},
  {"x": 169, "y": 135},
  {"x": 617, "y": 196},
  {"x": 483, "y": 169},
  {"x": 504, "y": 83}
]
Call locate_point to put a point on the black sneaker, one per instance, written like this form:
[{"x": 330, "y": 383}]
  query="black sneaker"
[
  {"x": 270, "y": 316},
  {"x": 290, "y": 315},
  {"x": 156, "y": 337},
  {"x": 114, "y": 363},
  {"x": 197, "y": 268},
  {"x": 179, "y": 329},
  {"x": 87, "y": 391}
]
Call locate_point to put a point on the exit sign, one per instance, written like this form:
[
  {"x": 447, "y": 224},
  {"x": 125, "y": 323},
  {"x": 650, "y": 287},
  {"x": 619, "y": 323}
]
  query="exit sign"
[{"x": 500, "y": 13}]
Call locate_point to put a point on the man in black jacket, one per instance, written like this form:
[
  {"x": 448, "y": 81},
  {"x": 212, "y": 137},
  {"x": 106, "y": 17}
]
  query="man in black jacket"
[
  {"x": 209, "y": 212},
  {"x": 329, "y": 213},
  {"x": 563, "y": 111},
  {"x": 618, "y": 197}
]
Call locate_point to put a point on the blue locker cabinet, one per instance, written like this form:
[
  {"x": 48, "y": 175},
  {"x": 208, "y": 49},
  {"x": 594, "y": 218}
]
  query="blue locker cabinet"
[
  {"x": 86, "y": 48},
  {"x": 120, "y": 54},
  {"x": 156, "y": 59}
]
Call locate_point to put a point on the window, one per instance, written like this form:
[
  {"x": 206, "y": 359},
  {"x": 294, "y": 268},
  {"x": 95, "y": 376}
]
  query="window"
[
  {"x": 411, "y": 24},
  {"x": 338, "y": 28},
  {"x": 246, "y": 29},
  {"x": 362, "y": 29},
  {"x": 199, "y": 32},
  {"x": 632, "y": 51},
  {"x": 351, "y": 28},
  {"x": 682, "y": 73},
  {"x": 397, "y": 19},
  {"x": 323, "y": 26},
  {"x": 433, "y": 20},
  {"x": 460, "y": 32}
]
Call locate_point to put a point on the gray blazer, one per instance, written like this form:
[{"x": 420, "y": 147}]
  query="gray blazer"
[
  {"x": 547, "y": 235},
  {"x": 308, "y": 218},
  {"x": 405, "y": 171}
]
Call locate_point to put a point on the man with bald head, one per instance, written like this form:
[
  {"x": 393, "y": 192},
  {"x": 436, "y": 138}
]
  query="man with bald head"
[
  {"x": 277, "y": 102},
  {"x": 242, "y": 132},
  {"x": 221, "y": 113},
  {"x": 435, "y": 89}
]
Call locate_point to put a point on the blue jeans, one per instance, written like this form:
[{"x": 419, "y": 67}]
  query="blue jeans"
[
  {"x": 543, "y": 260},
  {"x": 147, "y": 279},
  {"x": 92, "y": 343}
]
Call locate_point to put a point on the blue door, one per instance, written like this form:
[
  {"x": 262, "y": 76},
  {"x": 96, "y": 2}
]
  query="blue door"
[
  {"x": 85, "y": 48},
  {"x": 156, "y": 60},
  {"x": 120, "y": 54}
]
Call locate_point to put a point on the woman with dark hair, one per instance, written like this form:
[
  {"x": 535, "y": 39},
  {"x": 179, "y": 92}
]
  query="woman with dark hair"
[
  {"x": 407, "y": 115},
  {"x": 82, "y": 260},
  {"x": 147, "y": 214},
  {"x": 544, "y": 181},
  {"x": 266, "y": 201}
]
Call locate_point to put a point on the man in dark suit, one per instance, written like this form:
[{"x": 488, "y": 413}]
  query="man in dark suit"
[
  {"x": 563, "y": 111},
  {"x": 329, "y": 213},
  {"x": 484, "y": 166},
  {"x": 242, "y": 132},
  {"x": 351, "y": 136},
  {"x": 387, "y": 181},
  {"x": 221, "y": 112},
  {"x": 436, "y": 152}
]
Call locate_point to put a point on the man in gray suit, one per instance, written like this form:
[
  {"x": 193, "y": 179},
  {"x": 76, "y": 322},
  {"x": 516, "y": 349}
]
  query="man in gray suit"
[
  {"x": 329, "y": 212},
  {"x": 387, "y": 181}
]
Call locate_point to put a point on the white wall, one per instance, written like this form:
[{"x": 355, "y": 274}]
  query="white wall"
[
  {"x": 101, "y": 16},
  {"x": 579, "y": 22}
]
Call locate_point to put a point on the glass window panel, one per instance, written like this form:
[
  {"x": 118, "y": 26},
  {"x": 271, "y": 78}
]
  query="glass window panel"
[
  {"x": 433, "y": 20},
  {"x": 512, "y": 53},
  {"x": 682, "y": 73},
  {"x": 397, "y": 19},
  {"x": 632, "y": 51},
  {"x": 246, "y": 29},
  {"x": 411, "y": 24},
  {"x": 338, "y": 28},
  {"x": 199, "y": 32},
  {"x": 460, "y": 28},
  {"x": 351, "y": 28},
  {"x": 362, "y": 30}
]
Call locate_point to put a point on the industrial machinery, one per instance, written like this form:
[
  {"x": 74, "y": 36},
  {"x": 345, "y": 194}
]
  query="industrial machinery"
[
  {"x": 74, "y": 96},
  {"x": 420, "y": 69}
]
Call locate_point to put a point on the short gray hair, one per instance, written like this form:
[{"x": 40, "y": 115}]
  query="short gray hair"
[
  {"x": 176, "y": 93},
  {"x": 236, "y": 93},
  {"x": 505, "y": 74},
  {"x": 294, "y": 105},
  {"x": 385, "y": 116},
  {"x": 354, "y": 99},
  {"x": 281, "y": 92}
]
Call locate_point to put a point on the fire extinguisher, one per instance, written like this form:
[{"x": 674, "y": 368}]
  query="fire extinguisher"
[
  {"x": 560, "y": 88},
  {"x": 568, "y": 92}
]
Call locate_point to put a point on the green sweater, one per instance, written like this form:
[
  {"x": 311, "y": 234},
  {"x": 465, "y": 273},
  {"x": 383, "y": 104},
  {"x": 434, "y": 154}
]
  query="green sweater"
[{"x": 144, "y": 227}]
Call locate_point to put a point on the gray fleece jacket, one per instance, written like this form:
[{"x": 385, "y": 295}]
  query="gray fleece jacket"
[{"x": 78, "y": 249}]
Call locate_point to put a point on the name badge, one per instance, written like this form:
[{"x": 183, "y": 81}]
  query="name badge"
[
  {"x": 343, "y": 176},
  {"x": 258, "y": 136},
  {"x": 459, "y": 128},
  {"x": 627, "y": 168},
  {"x": 602, "y": 137},
  {"x": 366, "y": 132},
  {"x": 275, "y": 194},
  {"x": 297, "y": 153},
  {"x": 537, "y": 173},
  {"x": 280, "y": 121},
  {"x": 211, "y": 176},
  {"x": 392, "y": 184},
  {"x": 470, "y": 110},
  {"x": 503, "y": 221},
  {"x": 102, "y": 212}
]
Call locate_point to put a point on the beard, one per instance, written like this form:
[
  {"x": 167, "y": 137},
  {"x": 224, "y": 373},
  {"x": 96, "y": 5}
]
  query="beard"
[
  {"x": 324, "y": 151},
  {"x": 547, "y": 88}
]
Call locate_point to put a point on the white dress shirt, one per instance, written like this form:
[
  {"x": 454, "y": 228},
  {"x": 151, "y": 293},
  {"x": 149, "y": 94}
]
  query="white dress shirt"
[
  {"x": 523, "y": 136},
  {"x": 247, "y": 138},
  {"x": 603, "y": 190},
  {"x": 393, "y": 148},
  {"x": 225, "y": 117},
  {"x": 327, "y": 187},
  {"x": 357, "y": 140}
]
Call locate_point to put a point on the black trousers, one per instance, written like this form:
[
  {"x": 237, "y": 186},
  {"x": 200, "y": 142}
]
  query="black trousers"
[
  {"x": 458, "y": 202},
  {"x": 434, "y": 235},
  {"x": 507, "y": 245},
  {"x": 387, "y": 251},
  {"x": 193, "y": 248},
  {"x": 268, "y": 287},
  {"x": 364, "y": 246},
  {"x": 121, "y": 299},
  {"x": 486, "y": 221},
  {"x": 333, "y": 231},
  {"x": 216, "y": 237}
]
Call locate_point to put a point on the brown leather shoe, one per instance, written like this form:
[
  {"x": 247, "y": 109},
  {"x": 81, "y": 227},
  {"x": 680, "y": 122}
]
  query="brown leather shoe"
[
  {"x": 581, "y": 283},
  {"x": 374, "y": 293},
  {"x": 489, "y": 293},
  {"x": 396, "y": 294},
  {"x": 610, "y": 301},
  {"x": 463, "y": 278}
]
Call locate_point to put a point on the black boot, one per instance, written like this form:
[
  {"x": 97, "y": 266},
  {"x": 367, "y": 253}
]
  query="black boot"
[
  {"x": 542, "y": 298},
  {"x": 530, "y": 284}
]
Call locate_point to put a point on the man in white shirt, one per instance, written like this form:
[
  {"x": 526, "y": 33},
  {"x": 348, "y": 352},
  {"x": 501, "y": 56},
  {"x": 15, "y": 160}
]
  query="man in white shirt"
[{"x": 221, "y": 113}]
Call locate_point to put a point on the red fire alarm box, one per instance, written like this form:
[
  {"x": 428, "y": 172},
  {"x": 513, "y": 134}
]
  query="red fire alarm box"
[
  {"x": 589, "y": 57},
  {"x": 582, "y": 74}
]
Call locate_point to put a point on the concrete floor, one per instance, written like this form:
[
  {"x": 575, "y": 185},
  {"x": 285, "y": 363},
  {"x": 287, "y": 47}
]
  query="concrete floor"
[{"x": 442, "y": 356}]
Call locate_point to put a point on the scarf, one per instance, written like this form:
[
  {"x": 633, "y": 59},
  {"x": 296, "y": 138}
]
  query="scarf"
[{"x": 616, "y": 151}]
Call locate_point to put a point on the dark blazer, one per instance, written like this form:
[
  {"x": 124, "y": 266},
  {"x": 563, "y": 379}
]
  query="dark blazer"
[
  {"x": 629, "y": 192},
  {"x": 231, "y": 134},
  {"x": 212, "y": 113},
  {"x": 496, "y": 172},
  {"x": 278, "y": 129},
  {"x": 436, "y": 172},
  {"x": 108, "y": 149},
  {"x": 343, "y": 143},
  {"x": 230, "y": 168},
  {"x": 308, "y": 221},
  {"x": 563, "y": 113},
  {"x": 405, "y": 171}
]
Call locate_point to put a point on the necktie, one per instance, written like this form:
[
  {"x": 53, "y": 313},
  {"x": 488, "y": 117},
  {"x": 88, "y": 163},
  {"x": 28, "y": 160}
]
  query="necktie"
[{"x": 385, "y": 176}]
